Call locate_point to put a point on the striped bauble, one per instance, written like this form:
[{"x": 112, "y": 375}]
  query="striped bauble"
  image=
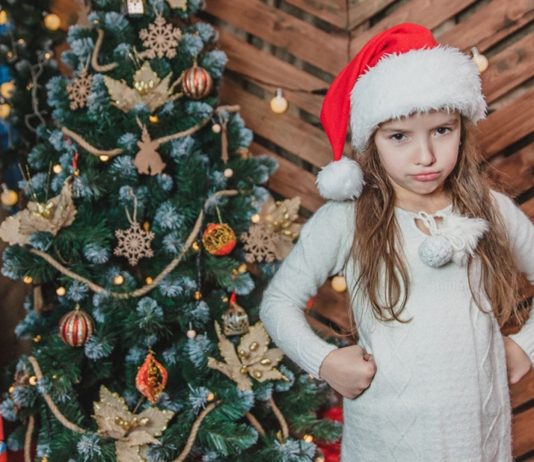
[
  {"x": 76, "y": 327},
  {"x": 197, "y": 82}
]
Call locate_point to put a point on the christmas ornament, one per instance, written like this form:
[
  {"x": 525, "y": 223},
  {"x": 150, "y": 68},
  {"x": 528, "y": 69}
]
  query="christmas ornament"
[
  {"x": 454, "y": 238},
  {"x": 216, "y": 128},
  {"x": 228, "y": 173},
  {"x": 61, "y": 291},
  {"x": 219, "y": 239},
  {"x": 479, "y": 59},
  {"x": 76, "y": 327},
  {"x": 148, "y": 89},
  {"x": 235, "y": 319},
  {"x": 57, "y": 169},
  {"x": 252, "y": 359},
  {"x": 135, "y": 7},
  {"x": 5, "y": 110},
  {"x": 79, "y": 89},
  {"x": 191, "y": 333},
  {"x": 52, "y": 22},
  {"x": 151, "y": 378},
  {"x": 339, "y": 284},
  {"x": 197, "y": 82},
  {"x": 50, "y": 216},
  {"x": 3, "y": 17},
  {"x": 7, "y": 89},
  {"x": 9, "y": 197},
  {"x": 160, "y": 39},
  {"x": 279, "y": 104},
  {"x": 134, "y": 242},
  {"x": 180, "y": 4},
  {"x": 132, "y": 432},
  {"x": 148, "y": 161},
  {"x": 27, "y": 279},
  {"x": 271, "y": 236},
  {"x": 118, "y": 280}
]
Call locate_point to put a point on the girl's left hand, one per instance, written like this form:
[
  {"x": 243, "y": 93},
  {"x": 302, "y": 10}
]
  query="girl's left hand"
[{"x": 517, "y": 361}]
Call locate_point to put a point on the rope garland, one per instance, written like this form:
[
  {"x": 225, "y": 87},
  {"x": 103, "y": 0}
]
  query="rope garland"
[
  {"x": 255, "y": 423},
  {"x": 159, "y": 141},
  {"x": 157, "y": 280},
  {"x": 194, "y": 430},
  {"x": 96, "y": 51},
  {"x": 28, "y": 439},
  {"x": 55, "y": 410},
  {"x": 281, "y": 419}
]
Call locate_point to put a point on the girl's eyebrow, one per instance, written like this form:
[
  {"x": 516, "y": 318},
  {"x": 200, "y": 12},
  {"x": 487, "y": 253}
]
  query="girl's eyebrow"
[{"x": 451, "y": 121}]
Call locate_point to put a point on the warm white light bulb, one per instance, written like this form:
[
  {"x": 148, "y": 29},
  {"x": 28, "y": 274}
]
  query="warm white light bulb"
[{"x": 279, "y": 104}]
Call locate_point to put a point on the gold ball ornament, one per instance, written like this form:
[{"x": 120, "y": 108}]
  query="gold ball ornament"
[
  {"x": 308, "y": 438},
  {"x": 480, "y": 60},
  {"x": 149, "y": 280},
  {"x": 197, "y": 82},
  {"x": 219, "y": 239},
  {"x": 211, "y": 397},
  {"x": 61, "y": 291},
  {"x": 154, "y": 119},
  {"x": 9, "y": 197},
  {"x": 191, "y": 333},
  {"x": 5, "y": 110},
  {"x": 228, "y": 173},
  {"x": 279, "y": 104},
  {"x": 3, "y": 17},
  {"x": 216, "y": 128},
  {"x": 52, "y": 22},
  {"x": 11, "y": 389},
  {"x": 197, "y": 295},
  {"x": 118, "y": 280},
  {"x": 339, "y": 284},
  {"x": 57, "y": 169},
  {"x": 27, "y": 279},
  {"x": 7, "y": 89}
]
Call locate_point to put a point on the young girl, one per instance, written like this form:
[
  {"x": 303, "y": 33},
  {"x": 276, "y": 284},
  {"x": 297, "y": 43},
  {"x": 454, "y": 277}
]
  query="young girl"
[{"x": 431, "y": 255}]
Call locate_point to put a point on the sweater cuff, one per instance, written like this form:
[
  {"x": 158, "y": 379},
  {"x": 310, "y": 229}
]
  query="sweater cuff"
[
  {"x": 315, "y": 356},
  {"x": 525, "y": 340}
]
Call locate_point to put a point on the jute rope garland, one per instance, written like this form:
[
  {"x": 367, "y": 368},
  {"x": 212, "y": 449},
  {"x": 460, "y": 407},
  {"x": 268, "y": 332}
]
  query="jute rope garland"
[
  {"x": 73, "y": 427},
  {"x": 165, "y": 139},
  {"x": 157, "y": 280}
]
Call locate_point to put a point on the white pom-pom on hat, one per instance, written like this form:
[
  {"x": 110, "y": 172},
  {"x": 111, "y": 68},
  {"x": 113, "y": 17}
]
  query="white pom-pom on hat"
[{"x": 340, "y": 180}]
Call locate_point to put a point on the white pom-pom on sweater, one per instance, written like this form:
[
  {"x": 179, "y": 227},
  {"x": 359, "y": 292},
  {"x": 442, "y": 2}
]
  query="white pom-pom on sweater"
[{"x": 440, "y": 392}]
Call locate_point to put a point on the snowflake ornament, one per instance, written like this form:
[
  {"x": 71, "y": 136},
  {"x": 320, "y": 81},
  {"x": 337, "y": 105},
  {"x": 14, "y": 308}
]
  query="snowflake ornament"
[
  {"x": 79, "y": 89},
  {"x": 160, "y": 39},
  {"x": 260, "y": 244},
  {"x": 134, "y": 243}
]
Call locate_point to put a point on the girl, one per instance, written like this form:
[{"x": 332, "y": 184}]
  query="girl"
[{"x": 431, "y": 254}]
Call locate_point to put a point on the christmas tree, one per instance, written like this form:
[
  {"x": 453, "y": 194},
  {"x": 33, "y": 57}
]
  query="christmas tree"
[
  {"x": 29, "y": 33},
  {"x": 147, "y": 239}
]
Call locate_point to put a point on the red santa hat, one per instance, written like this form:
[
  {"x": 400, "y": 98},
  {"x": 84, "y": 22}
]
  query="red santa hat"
[{"x": 400, "y": 71}]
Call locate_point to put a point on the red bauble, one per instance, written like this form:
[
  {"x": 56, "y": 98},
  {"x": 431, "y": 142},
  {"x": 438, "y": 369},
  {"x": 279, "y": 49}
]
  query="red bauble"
[
  {"x": 151, "y": 378},
  {"x": 76, "y": 327},
  {"x": 197, "y": 82},
  {"x": 331, "y": 451},
  {"x": 219, "y": 239}
]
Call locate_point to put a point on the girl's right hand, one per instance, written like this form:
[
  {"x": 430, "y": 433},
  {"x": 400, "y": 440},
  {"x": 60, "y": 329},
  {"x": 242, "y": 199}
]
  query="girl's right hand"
[{"x": 349, "y": 370}]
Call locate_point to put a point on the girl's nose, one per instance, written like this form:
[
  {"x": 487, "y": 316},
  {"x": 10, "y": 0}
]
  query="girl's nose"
[{"x": 425, "y": 156}]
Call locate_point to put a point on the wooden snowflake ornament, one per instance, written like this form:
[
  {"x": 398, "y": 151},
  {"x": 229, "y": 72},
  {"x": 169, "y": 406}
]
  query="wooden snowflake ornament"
[
  {"x": 160, "y": 39},
  {"x": 79, "y": 89},
  {"x": 134, "y": 243}
]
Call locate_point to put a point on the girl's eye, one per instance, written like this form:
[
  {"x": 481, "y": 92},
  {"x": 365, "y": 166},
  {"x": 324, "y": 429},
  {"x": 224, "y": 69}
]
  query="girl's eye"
[
  {"x": 397, "y": 136},
  {"x": 443, "y": 130}
]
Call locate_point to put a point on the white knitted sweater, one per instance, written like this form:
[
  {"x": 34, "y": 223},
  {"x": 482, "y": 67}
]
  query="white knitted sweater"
[{"x": 440, "y": 392}]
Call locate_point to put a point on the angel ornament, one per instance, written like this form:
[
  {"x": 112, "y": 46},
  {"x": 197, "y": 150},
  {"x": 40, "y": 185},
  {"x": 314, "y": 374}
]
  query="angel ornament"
[{"x": 454, "y": 238}]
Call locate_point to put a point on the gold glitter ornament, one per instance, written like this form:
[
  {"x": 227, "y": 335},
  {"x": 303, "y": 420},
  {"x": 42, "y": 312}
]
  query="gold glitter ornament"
[{"x": 219, "y": 239}]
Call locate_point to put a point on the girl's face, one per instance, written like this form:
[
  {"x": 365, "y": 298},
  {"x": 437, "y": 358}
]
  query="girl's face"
[{"x": 419, "y": 152}]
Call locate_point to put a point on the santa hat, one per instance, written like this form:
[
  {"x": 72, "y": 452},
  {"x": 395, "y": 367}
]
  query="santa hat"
[{"x": 398, "y": 72}]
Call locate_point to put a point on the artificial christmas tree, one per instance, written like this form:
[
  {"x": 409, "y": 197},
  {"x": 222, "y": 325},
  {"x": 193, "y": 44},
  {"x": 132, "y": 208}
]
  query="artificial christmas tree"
[{"x": 142, "y": 198}]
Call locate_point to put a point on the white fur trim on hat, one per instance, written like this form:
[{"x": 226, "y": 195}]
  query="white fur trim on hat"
[
  {"x": 416, "y": 81},
  {"x": 340, "y": 180}
]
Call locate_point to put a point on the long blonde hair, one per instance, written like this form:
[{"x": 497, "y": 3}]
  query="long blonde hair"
[{"x": 376, "y": 246}]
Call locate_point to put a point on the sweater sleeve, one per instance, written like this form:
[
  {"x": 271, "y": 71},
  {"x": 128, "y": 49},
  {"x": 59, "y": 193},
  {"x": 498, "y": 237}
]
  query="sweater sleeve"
[
  {"x": 521, "y": 233},
  {"x": 320, "y": 252}
]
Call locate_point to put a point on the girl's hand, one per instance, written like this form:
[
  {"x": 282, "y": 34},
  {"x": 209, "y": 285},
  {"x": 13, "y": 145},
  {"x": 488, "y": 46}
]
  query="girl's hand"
[
  {"x": 517, "y": 361},
  {"x": 349, "y": 370}
]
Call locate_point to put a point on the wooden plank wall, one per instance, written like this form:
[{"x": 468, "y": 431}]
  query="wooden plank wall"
[{"x": 300, "y": 45}]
